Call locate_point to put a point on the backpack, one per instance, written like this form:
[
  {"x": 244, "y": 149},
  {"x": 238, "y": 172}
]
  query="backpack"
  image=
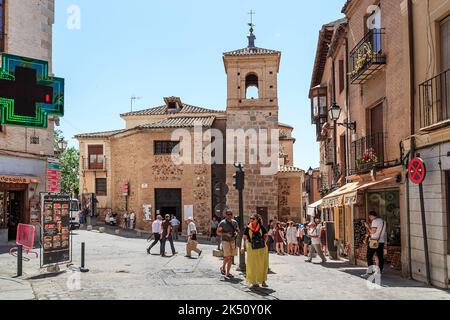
[{"x": 257, "y": 240}]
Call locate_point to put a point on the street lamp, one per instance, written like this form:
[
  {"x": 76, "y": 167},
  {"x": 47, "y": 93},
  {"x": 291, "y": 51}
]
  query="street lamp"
[{"x": 310, "y": 171}]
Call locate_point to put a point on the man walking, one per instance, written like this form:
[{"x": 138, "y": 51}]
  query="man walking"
[
  {"x": 228, "y": 230},
  {"x": 156, "y": 230},
  {"x": 314, "y": 232},
  {"x": 377, "y": 241},
  {"x": 167, "y": 235},
  {"x": 192, "y": 239},
  {"x": 176, "y": 225}
]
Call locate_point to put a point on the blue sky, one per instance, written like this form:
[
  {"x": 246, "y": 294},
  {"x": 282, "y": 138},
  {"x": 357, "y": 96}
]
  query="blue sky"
[{"x": 159, "y": 48}]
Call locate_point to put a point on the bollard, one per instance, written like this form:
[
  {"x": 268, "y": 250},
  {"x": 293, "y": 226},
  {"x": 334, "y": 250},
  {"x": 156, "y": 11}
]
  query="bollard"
[
  {"x": 19, "y": 260},
  {"x": 83, "y": 252}
]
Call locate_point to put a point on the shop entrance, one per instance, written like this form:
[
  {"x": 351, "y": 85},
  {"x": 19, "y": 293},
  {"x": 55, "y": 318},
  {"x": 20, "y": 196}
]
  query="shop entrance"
[{"x": 11, "y": 211}]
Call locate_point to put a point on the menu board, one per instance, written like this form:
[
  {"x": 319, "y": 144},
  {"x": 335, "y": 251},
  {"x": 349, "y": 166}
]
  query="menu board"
[{"x": 56, "y": 236}]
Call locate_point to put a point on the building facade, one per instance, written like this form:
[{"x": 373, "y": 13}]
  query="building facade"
[
  {"x": 133, "y": 169},
  {"x": 393, "y": 107},
  {"x": 25, "y": 30},
  {"x": 428, "y": 27}
]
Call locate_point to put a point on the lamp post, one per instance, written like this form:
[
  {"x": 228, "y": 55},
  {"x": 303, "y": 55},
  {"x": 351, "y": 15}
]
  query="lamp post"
[
  {"x": 239, "y": 184},
  {"x": 335, "y": 114},
  {"x": 62, "y": 146}
]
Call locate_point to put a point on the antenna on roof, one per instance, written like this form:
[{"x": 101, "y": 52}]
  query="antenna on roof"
[{"x": 133, "y": 97}]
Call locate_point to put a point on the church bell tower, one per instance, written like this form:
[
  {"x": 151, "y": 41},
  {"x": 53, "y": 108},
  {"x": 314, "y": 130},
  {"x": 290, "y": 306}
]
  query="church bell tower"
[{"x": 252, "y": 103}]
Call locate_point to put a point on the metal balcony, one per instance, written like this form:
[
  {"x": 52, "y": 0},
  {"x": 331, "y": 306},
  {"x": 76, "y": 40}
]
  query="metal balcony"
[
  {"x": 368, "y": 152},
  {"x": 367, "y": 57},
  {"x": 434, "y": 99},
  {"x": 96, "y": 163}
]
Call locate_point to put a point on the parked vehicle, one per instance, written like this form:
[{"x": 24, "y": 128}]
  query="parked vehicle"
[
  {"x": 111, "y": 219},
  {"x": 75, "y": 211}
]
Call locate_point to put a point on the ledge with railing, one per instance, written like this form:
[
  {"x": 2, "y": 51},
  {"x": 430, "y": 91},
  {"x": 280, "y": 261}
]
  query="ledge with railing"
[
  {"x": 368, "y": 152},
  {"x": 367, "y": 57},
  {"x": 434, "y": 100},
  {"x": 94, "y": 163}
]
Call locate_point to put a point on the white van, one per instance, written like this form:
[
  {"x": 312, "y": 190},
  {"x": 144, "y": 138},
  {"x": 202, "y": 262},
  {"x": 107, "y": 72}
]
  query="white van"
[{"x": 75, "y": 211}]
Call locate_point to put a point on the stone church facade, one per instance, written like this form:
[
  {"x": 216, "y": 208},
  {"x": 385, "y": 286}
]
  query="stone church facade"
[{"x": 132, "y": 168}]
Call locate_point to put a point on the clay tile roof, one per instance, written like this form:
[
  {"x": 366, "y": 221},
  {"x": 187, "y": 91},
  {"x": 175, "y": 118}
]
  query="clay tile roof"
[
  {"x": 163, "y": 110},
  {"x": 289, "y": 169},
  {"x": 104, "y": 134},
  {"x": 251, "y": 51},
  {"x": 179, "y": 122}
]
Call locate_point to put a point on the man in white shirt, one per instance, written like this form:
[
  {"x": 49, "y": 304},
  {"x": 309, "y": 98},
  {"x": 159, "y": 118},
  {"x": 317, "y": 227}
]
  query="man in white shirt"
[
  {"x": 192, "y": 239},
  {"x": 157, "y": 231},
  {"x": 314, "y": 232},
  {"x": 377, "y": 232}
]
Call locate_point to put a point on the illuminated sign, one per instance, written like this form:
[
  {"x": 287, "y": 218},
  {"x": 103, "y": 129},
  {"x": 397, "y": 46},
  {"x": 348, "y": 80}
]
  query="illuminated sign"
[
  {"x": 27, "y": 93},
  {"x": 53, "y": 176}
]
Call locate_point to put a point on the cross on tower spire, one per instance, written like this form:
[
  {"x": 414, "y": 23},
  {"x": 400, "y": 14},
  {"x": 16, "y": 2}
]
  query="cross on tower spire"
[{"x": 251, "y": 37}]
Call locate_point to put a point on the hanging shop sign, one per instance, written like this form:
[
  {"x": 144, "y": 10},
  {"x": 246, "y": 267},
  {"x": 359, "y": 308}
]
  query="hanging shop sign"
[
  {"x": 417, "y": 171},
  {"x": 56, "y": 235},
  {"x": 28, "y": 95},
  {"x": 53, "y": 176}
]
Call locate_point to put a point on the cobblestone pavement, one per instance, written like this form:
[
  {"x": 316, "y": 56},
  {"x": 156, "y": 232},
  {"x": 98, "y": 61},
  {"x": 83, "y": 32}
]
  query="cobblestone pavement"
[{"x": 121, "y": 269}]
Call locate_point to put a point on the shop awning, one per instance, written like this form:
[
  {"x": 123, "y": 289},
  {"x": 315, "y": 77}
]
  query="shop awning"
[
  {"x": 336, "y": 198},
  {"x": 351, "y": 197},
  {"x": 312, "y": 207}
]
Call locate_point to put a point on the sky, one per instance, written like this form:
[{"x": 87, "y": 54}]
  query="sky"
[{"x": 159, "y": 48}]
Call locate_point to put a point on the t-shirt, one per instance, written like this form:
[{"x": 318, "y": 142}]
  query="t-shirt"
[
  {"x": 175, "y": 222},
  {"x": 191, "y": 228},
  {"x": 214, "y": 224},
  {"x": 380, "y": 234},
  {"x": 228, "y": 227},
  {"x": 165, "y": 226},
  {"x": 316, "y": 232},
  {"x": 156, "y": 226}
]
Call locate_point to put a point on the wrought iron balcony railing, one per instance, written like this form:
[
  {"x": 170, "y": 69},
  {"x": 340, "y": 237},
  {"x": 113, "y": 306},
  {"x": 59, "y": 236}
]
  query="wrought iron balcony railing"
[
  {"x": 368, "y": 152},
  {"x": 367, "y": 57},
  {"x": 94, "y": 163},
  {"x": 434, "y": 99}
]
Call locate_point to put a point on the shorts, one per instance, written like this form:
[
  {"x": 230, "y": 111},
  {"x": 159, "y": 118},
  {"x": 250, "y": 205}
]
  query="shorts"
[{"x": 229, "y": 248}]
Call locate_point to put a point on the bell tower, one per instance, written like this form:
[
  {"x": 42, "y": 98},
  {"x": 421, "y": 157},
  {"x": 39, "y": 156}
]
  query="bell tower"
[{"x": 252, "y": 104}]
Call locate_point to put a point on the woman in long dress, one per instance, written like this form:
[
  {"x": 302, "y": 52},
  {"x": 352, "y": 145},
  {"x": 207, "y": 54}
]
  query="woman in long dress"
[{"x": 256, "y": 237}]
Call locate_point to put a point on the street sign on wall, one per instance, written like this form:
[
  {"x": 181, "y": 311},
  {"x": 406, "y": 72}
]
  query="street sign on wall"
[
  {"x": 417, "y": 171},
  {"x": 27, "y": 93}
]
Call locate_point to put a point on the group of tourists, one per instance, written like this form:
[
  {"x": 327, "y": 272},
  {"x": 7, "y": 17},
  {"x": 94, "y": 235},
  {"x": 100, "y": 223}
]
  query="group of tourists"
[
  {"x": 129, "y": 220},
  {"x": 297, "y": 239},
  {"x": 166, "y": 229},
  {"x": 307, "y": 239}
]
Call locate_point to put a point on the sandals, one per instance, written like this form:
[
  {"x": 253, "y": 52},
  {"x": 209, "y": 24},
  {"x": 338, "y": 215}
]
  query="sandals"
[{"x": 222, "y": 271}]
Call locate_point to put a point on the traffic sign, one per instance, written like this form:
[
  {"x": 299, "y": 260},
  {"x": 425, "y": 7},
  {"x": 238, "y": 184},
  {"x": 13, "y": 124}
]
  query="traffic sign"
[{"x": 417, "y": 171}]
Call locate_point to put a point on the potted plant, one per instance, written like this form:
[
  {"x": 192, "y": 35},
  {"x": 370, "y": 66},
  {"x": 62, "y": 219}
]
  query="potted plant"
[
  {"x": 369, "y": 157},
  {"x": 364, "y": 55}
]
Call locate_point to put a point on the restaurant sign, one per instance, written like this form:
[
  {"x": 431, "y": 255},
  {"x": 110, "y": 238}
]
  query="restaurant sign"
[
  {"x": 56, "y": 235},
  {"x": 18, "y": 180}
]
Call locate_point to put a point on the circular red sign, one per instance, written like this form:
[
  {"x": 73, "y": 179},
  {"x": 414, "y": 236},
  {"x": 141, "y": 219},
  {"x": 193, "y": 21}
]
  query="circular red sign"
[{"x": 417, "y": 171}]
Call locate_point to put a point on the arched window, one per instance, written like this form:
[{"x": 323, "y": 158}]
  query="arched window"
[{"x": 251, "y": 86}]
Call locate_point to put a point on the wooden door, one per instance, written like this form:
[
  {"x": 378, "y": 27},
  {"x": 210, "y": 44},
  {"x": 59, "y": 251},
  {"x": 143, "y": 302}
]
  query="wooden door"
[
  {"x": 448, "y": 210},
  {"x": 375, "y": 140}
]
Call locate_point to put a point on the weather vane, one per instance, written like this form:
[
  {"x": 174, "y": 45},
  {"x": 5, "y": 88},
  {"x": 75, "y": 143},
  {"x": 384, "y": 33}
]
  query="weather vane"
[{"x": 251, "y": 13}]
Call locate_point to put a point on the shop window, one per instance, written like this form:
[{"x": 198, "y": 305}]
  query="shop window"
[
  {"x": 100, "y": 187},
  {"x": 165, "y": 147},
  {"x": 387, "y": 205}
]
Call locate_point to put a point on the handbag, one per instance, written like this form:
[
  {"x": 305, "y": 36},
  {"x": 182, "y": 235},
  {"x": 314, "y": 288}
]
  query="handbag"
[
  {"x": 194, "y": 237},
  {"x": 375, "y": 243},
  {"x": 257, "y": 241}
]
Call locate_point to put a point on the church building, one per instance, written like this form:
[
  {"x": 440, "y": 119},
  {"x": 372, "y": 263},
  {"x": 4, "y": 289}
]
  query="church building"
[{"x": 133, "y": 168}]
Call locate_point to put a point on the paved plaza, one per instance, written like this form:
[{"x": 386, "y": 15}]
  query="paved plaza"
[{"x": 121, "y": 269}]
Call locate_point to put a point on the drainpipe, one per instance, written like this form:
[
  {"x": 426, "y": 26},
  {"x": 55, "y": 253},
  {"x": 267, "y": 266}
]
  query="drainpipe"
[
  {"x": 412, "y": 123},
  {"x": 347, "y": 98}
]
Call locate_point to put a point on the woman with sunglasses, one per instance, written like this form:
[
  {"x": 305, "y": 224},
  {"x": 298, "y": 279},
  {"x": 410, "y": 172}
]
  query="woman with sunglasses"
[{"x": 257, "y": 252}]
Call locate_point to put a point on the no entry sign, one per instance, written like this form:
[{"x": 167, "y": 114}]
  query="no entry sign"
[{"x": 417, "y": 171}]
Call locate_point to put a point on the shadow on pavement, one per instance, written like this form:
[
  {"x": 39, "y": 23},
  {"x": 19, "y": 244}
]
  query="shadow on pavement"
[
  {"x": 263, "y": 292},
  {"x": 47, "y": 275}
]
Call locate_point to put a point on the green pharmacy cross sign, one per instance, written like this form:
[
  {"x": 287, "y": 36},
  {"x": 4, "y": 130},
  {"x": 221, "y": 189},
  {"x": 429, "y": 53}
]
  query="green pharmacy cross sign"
[{"x": 27, "y": 93}]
